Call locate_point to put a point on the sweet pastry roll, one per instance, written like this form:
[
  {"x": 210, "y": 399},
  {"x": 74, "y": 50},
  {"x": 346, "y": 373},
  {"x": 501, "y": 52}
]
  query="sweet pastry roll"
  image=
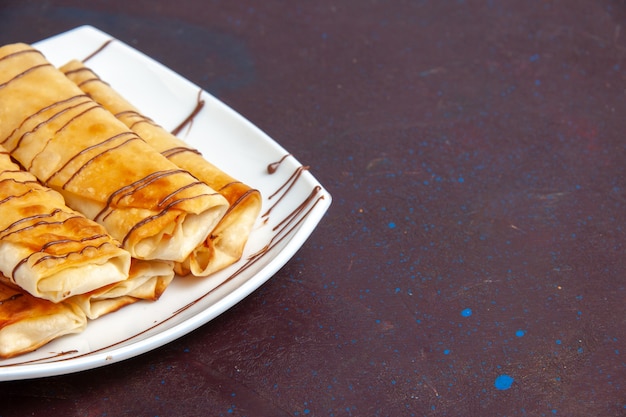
[
  {"x": 226, "y": 242},
  {"x": 147, "y": 281},
  {"x": 102, "y": 168},
  {"x": 48, "y": 249},
  {"x": 27, "y": 322}
]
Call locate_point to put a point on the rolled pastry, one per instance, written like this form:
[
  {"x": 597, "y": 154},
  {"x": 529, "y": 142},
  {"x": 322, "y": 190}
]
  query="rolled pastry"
[
  {"x": 226, "y": 242},
  {"x": 147, "y": 281},
  {"x": 27, "y": 322},
  {"x": 102, "y": 168},
  {"x": 48, "y": 249}
]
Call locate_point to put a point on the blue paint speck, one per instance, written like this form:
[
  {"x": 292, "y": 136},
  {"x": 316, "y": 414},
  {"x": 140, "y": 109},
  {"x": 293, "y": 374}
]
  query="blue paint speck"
[
  {"x": 520, "y": 333},
  {"x": 392, "y": 225},
  {"x": 534, "y": 58},
  {"x": 461, "y": 180},
  {"x": 503, "y": 382},
  {"x": 446, "y": 352},
  {"x": 466, "y": 312},
  {"x": 558, "y": 342}
]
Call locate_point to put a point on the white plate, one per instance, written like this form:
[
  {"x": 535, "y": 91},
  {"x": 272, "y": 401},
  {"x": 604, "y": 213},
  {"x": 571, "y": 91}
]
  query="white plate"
[{"x": 219, "y": 133}]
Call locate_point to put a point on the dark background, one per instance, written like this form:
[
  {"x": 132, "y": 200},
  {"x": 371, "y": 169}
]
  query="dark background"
[{"x": 472, "y": 262}]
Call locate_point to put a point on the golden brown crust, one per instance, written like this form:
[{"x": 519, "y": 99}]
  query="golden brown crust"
[
  {"x": 28, "y": 322},
  {"x": 101, "y": 167},
  {"x": 48, "y": 249},
  {"x": 226, "y": 242},
  {"x": 147, "y": 281}
]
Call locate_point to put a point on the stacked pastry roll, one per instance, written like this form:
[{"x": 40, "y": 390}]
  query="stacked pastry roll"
[
  {"x": 99, "y": 206},
  {"x": 225, "y": 243}
]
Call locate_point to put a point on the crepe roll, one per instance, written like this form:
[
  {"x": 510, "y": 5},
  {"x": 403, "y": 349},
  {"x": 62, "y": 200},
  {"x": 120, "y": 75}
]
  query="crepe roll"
[
  {"x": 102, "y": 168},
  {"x": 27, "y": 322},
  {"x": 147, "y": 281},
  {"x": 226, "y": 242},
  {"x": 48, "y": 249}
]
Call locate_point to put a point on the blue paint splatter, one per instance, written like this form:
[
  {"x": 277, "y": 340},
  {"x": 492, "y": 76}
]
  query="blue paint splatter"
[
  {"x": 520, "y": 333},
  {"x": 446, "y": 352},
  {"x": 503, "y": 382},
  {"x": 466, "y": 312},
  {"x": 392, "y": 225}
]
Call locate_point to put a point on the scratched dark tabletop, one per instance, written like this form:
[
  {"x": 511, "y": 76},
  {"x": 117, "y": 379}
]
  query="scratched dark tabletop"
[{"x": 472, "y": 262}]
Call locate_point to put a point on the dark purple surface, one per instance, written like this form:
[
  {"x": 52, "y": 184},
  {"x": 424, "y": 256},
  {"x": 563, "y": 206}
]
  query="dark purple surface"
[{"x": 472, "y": 262}]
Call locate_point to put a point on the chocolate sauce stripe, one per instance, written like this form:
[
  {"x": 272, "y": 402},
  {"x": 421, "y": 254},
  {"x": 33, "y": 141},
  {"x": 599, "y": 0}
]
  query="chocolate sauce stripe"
[
  {"x": 94, "y": 158},
  {"x": 224, "y": 187},
  {"x": 89, "y": 81},
  {"x": 97, "y": 51},
  {"x": 94, "y": 106},
  {"x": 57, "y": 211},
  {"x": 163, "y": 212},
  {"x": 132, "y": 119},
  {"x": 29, "y": 218},
  {"x": 133, "y": 114},
  {"x": 271, "y": 168},
  {"x": 5, "y": 233},
  {"x": 169, "y": 153},
  {"x": 44, "y": 359},
  {"x": 10, "y": 197},
  {"x": 55, "y": 257},
  {"x": 87, "y": 150},
  {"x": 133, "y": 187},
  {"x": 64, "y": 126},
  {"x": 285, "y": 188},
  {"x": 239, "y": 200},
  {"x": 21, "y": 52},
  {"x": 298, "y": 209},
  {"x": 281, "y": 227},
  {"x": 173, "y": 194},
  {"x": 25, "y": 73},
  {"x": 27, "y": 183},
  {"x": 38, "y": 113},
  {"x": 81, "y": 240},
  {"x": 189, "y": 119},
  {"x": 34, "y": 130},
  {"x": 82, "y": 69},
  {"x": 138, "y": 122}
]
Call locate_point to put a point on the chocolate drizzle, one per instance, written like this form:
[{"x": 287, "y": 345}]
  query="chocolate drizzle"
[
  {"x": 271, "y": 168},
  {"x": 281, "y": 230},
  {"x": 24, "y": 73},
  {"x": 168, "y": 153},
  {"x": 285, "y": 188},
  {"x": 130, "y": 137},
  {"x": 97, "y": 51},
  {"x": 38, "y": 113},
  {"x": 48, "y": 223},
  {"x": 59, "y": 116},
  {"x": 189, "y": 119}
]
